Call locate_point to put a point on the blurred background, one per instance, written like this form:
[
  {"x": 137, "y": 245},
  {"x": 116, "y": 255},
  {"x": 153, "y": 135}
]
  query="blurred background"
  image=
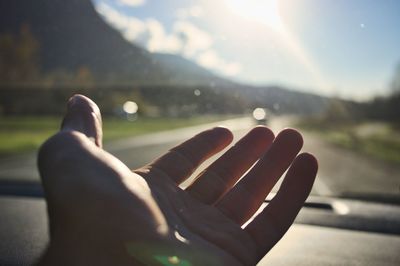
[{"x": 162, "y": 70}]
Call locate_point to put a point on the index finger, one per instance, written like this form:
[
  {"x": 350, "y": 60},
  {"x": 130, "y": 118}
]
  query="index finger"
[{"x": 180, "y": 162}]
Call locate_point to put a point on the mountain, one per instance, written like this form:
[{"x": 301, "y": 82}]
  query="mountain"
[
  {"x": 183, "y": 71},
  {"x": 71, "y": 35},
  {"x": 283, "y": 100}
]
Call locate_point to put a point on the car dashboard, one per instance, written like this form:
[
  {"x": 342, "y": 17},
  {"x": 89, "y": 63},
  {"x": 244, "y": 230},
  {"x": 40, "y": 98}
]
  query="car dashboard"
[{"x": 328, "y": 231}]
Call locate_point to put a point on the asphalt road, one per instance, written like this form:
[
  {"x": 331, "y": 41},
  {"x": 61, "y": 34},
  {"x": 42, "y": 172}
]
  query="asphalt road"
[{"x": 341, "y": 172}]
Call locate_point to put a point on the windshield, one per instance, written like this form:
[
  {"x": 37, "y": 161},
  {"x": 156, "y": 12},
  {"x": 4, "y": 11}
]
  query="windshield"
[{"x": 162, "y": 71}]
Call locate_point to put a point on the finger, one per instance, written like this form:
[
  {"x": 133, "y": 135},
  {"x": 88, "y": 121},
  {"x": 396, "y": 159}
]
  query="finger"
[
  {"x": 180, "y": 162},
  {"x": 220, "y": 176},
  {"x": 273, "y": 222},
  {"x": 244, "y": 199},
  {"x": 84, "y": 116}
]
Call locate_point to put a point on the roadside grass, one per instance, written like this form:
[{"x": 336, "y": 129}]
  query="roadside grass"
[
  {"x": 377, "y": 139},
  {"x": 24, "y": 134}
]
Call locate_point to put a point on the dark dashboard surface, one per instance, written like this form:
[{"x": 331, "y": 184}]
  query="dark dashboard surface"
[{"x": 23, "y": 234}]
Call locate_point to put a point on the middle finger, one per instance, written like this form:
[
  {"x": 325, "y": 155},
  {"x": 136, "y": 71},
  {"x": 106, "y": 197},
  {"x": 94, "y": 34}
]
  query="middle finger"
[{"x": 220, "y": 176}]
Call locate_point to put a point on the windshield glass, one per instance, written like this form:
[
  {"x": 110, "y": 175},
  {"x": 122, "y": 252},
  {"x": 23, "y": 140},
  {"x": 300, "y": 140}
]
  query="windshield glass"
[{"x": 161, "y": 71}]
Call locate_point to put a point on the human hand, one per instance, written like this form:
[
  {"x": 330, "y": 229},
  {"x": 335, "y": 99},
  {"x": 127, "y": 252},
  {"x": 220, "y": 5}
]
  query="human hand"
[{"x": 102, "y": 213}]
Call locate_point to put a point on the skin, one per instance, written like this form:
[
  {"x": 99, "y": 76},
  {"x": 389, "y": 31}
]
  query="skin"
[{"x": 103, "y": 213}]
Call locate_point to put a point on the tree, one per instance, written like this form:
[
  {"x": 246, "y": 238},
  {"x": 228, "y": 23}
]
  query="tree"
[
  {"x": 19, "y": 57},
  {"x": 84, "y": 77},
  {"x": 395, "y": 84}
]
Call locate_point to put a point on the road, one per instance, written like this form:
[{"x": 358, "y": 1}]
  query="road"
[{"x": 341, "y": 172}]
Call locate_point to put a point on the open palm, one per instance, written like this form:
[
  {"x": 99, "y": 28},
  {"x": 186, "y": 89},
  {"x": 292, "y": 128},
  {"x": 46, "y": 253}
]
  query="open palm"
[{"x": 102, "y": 213}]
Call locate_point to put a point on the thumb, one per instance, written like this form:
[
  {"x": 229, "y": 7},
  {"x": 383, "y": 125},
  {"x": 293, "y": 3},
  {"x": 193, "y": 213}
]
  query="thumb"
[{"x": 83, "y": 115}]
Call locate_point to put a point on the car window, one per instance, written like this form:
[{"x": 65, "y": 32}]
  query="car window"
[{"x": 328, "y": 68}]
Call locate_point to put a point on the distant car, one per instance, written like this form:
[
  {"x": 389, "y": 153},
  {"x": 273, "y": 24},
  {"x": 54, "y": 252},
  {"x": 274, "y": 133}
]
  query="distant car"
[{"x": 261, "y": 116}]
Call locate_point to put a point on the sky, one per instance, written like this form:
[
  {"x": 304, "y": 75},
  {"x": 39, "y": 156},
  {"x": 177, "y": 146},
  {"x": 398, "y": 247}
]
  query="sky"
[{"x": 344, "y": 48}]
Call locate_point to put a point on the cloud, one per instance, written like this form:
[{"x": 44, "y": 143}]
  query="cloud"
[
  {"x": 194, "y": 11},
  {"x": 194, "y": 39},
  {"x": 210, "y": 59},
  {"x": 130, "y": 27},
  {"x": 185, "y": 39},
  {"x": 159, "y": 40},
  {"x": 149, "y": 33},
  {"x": 132, "y": 3}
]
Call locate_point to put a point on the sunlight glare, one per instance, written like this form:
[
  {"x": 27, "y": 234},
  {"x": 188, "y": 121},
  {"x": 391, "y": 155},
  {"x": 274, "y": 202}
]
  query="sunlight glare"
[
  {"x": 263, "y": 11},
  {"x": 267, "y": 13}
]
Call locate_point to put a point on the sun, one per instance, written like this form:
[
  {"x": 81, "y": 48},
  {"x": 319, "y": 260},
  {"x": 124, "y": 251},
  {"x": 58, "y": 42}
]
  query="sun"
[{"x": 262, "y": 11}]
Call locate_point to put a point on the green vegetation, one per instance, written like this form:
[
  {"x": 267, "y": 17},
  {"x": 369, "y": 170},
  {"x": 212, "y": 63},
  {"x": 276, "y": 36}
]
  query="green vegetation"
[
  {"x": 378, "y": 139},
  {"x": 22, "y": 134},
  {"x": 117, "y": 128},
  {"x": 18, "y": 134}
]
